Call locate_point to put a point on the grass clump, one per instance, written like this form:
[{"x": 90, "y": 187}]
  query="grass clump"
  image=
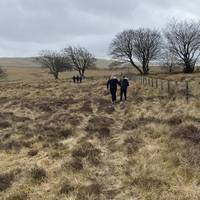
[
  {"x": 66, "y": 132},
  {"x": 5, "y": 124},
  {"x": 88, "y": 151},
  {"x": 33, "y": 152},
  {"x": 6, "y": 180},
  {"x": 188, "y": 132},
  {"x": 95, "y": 124},
  {"x": 149, "y": 183},
  {"x": 133, "y": 144},
  {"x": 190, "y": 156},
  {"x": 129, "y": 125},
  {"x": 18, "y": 196},
  {"x": 65, "y": 187},
  {"x": 75, "y": 164},
  {"x": 38, "y": 174},
  {"x": 91, "y": 191},
  {"x": 86, "y": 108},
  {"x": 104, "y": 132},
  {"x": 175, "y": 120}
]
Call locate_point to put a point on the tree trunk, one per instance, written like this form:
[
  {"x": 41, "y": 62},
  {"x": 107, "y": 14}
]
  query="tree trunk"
[
  {"x": 55, "y": 74},
  {"x": 188, "y": 67},
  {"x": 145, "y": 68},
  {"x": 83, "y": 73},
  {"x": 134, "y": 65},
  {"x": 170, "y": 68},
  {"x": 80, "y": 72}
]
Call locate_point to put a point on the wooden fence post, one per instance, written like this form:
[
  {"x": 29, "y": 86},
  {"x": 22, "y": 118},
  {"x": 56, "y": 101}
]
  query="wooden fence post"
[
  {"x": 187, "y": 91},
  {"x": 176, "y": 84},
  {"x": 156, "y": 83},
  {"x": 152, "y": 82},
  {"x": 168, "y": 86},
  {"x": 161, "y": 84},
  {"x": 176, "y": 87}
]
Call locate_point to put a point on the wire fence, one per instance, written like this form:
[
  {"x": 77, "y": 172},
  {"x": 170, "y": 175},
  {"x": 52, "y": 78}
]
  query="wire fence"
[{"x": 190, "y": 90}]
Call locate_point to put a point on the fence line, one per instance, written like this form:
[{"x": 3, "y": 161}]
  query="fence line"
[{"x": 168, "y": 84}]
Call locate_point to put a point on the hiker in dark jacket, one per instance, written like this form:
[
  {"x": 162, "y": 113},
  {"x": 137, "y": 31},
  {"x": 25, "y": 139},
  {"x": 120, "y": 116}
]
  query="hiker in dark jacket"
[
  {"x": 77, "y": 78},
  {"x": 80, "y": 78},
  {"x": 124, "y": 86},
  {"x": 74, "y": 79},
  {"x": 112, "y": 84}
]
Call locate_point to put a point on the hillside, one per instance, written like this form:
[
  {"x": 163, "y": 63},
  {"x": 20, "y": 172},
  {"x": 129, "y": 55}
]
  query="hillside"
[
  {"x": 18, "y": 62},
  {"x": 29, "y": 62},
  {"x": 64, "y": 141}
]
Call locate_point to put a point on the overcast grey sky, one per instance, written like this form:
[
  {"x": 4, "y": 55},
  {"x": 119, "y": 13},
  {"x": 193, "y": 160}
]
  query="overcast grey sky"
[{"x": 28, "y": 26}]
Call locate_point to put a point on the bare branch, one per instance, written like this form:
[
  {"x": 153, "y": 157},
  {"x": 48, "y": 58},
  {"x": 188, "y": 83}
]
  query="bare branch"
[
  {"x": 183, "y": 41},
  {"x": 54, "y": 61},
  {"x": 143, "y": 45},
  {"x": 79, "y": 58}
]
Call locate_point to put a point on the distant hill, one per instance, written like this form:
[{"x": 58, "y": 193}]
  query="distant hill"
[
  {"x": 103, "y": 63},
  {"x": 18, "y": 62},
  {"x": 29, "y": 62}
]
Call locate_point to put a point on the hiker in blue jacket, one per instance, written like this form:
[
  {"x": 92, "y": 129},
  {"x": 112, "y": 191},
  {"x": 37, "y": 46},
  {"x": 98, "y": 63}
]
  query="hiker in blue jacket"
[{"x": 124, "y": 86}]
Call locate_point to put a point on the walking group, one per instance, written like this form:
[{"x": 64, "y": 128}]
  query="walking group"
[
  {"x": 77, "y": 79},
  {"x": 123, "y": 84}
]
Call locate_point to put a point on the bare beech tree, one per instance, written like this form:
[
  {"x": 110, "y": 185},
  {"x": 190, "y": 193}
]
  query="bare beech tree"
[
  {"x": 147, "y": 46},
  {"x": 54, "y": 61},
  {"x": 183, "y": 41},
  {"x": 79, "y": 58},
  {"x": 142, "y": 45},
  {"x": 122, "y": 47}
]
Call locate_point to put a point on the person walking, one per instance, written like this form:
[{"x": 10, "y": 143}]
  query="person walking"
[
  {"x": 112, "y": 84},
  {"x": 80, "y": 78},
  {"x": 74, "y": 79},
  {"x": 77, "y": 78},
  {"x": 124, "y": 86}
]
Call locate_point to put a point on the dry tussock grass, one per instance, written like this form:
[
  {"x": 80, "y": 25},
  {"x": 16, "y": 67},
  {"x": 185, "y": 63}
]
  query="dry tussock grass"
[
  {"x": 70, "y": 143},
  {"x": 22, "y": 195},
  {"x": 6, "y": 180},
  {"x": 188, "y": 132}
]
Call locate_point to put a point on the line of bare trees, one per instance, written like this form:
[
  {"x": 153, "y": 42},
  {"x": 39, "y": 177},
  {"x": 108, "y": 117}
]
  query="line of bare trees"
[
  {"x": 70, "y": 58},
  {"x": 177, "y": 45}
]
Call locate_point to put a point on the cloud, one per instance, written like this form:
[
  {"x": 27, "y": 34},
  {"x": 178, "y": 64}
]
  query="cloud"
[{"x": 27, "y": 26}]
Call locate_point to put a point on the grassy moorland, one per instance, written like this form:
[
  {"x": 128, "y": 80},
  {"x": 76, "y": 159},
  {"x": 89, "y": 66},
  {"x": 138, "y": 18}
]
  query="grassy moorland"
[{"x": 64, "y": 141}]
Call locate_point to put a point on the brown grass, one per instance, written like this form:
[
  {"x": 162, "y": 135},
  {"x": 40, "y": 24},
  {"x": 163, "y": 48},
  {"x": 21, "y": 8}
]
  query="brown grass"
[
  {"x": 6, "y": 180},
  {"x": 75, "y": 164},
  {"x": 133, "y": 144},
  {"x": 38, "y": 174},
  {"x": 188, "y": 132},
  {"x": 88, "y": 151},
  {"x": 65, "y": 187},
  {"x": 175, "y": 120},
  {"x": 18, "y": 196},
  {"x": 70, "y": 143},
  {"x": 91, "y": 191},
  {"x": 149, "y": 183}
]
